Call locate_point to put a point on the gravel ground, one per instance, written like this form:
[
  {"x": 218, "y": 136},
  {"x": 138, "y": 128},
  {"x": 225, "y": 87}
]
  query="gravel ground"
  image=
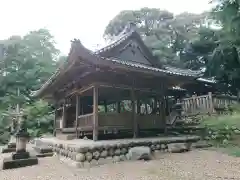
[{"x": 194, "y": 165}]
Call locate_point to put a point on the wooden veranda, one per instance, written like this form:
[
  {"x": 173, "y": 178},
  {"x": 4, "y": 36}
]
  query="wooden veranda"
[{"x": 88, "y": 118}]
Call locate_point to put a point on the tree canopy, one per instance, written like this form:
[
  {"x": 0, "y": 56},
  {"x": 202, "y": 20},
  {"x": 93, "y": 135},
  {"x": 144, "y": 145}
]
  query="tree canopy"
[
  {"x": 209, "y": 40},
  {"x": 164, "y": 33},
  {"x": 28, "y": 62}
]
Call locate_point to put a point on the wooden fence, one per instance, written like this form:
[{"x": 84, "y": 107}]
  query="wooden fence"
[{"x": 207, "y": 103}]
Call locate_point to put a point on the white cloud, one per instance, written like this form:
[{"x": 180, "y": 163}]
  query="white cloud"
[{"x": 86, "y": 20}]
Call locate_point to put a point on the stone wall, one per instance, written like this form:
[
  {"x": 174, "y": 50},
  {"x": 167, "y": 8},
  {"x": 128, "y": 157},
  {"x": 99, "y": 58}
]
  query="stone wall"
[{"x": 98, "y": 154}]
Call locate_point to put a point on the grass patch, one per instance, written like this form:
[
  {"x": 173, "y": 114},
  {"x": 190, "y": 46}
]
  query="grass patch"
[
  {"x": 224, "y": 132},
  {"x": 231, "y": 150},
  {"x": 223, "y": 129}
]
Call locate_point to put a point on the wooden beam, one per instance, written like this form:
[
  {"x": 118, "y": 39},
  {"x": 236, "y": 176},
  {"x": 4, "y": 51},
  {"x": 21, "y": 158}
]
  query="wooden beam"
[
  {"x": 81, "y": 90},
  {"x": 95, "y": 113},
  {"x": 120, "y": 86}
]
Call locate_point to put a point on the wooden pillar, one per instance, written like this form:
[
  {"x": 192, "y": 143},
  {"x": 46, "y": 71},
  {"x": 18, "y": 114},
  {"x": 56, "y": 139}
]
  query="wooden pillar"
[
  {"x": 55, "y": 121},
  {"x": 77, "y": 113},
  {"x": 159, "y": 107},
  {"x": 134, "y": 117},
  {"x": 63, "y": 120},
  {"x": 105, "y": 106},
  {"x": 95, "y": 113},
  {"x": 155, "y": 105},
  {"x": 146, "y": 108},
  {"x": 164, "y": 118},
  {"x": 138, "y": 107},
  {"x": 118, "y": 106}
]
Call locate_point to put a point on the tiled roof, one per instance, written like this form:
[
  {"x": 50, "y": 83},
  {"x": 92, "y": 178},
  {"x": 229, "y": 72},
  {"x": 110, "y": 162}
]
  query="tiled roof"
[
  {"x": 119, "y": 39},
  {"x": 170, "y": 71},
  {"x": 128, "y": 31},
  {"x": 125, "y": 34},
  {"x": 183, "y": 71}
]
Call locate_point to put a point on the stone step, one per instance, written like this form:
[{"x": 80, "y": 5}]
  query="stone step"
[
  {"x": 43, "y": 149},
  {"x": 9, "y": 163}
]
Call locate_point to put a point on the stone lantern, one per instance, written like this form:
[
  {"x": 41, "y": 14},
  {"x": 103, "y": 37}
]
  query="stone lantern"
[
  {"x": 22, "y": 138},
  {"x": 21, "y": 157}
]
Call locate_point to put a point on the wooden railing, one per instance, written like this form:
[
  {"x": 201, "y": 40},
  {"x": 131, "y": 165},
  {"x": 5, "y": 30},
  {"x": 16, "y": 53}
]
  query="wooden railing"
[
  {"x": 118, "y": 120},
  {"x": 85, "y": 120},
  {"x": 196, "y": 104},
  {"x": 206, "y": 103},
  {"x": 223, "y": 100}
]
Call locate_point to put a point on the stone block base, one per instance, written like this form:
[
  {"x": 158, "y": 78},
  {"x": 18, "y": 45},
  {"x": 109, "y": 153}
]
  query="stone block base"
[
  {"x": 66, "y": 136},
  {"x": 43, "y": 149},
  {"x": 20, "y": 155},
  {"x": 115, "y": 151},
  {"x": 40, "y": 155},
  {"x": 9, "y": 163},
  {"x": 11, "y": 145},
  {"x": 201, "y": 144},
  {"x": 8, "y": 150}
]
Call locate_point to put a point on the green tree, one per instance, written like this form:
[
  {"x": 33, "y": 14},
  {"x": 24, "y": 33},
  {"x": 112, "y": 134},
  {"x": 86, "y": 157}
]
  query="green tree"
[
  {"x": 165, "y": 34},
  {"x": 226, "y": 54},
  {"x": 28, "y": 62},
  {"x": 198, "y": 54}
]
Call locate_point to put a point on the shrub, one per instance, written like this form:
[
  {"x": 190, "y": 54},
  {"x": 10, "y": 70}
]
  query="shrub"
[{"x": 222, "y": 129}]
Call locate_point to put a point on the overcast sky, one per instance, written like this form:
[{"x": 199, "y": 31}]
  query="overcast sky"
[{"x": 82, "y": 19}]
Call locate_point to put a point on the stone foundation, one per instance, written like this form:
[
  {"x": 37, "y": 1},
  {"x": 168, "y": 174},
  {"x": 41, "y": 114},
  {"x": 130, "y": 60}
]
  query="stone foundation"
[{"x": 98, "y": 153}]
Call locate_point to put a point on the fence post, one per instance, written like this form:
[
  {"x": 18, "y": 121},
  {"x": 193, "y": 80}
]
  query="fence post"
[
  {"x": 194, "y": 105},
  {"x": 211, "y": 108}
]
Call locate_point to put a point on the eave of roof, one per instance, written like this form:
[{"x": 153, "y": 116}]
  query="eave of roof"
[
  {"x": 150, "y": 68},
  {"x": 207, "y": 80}
]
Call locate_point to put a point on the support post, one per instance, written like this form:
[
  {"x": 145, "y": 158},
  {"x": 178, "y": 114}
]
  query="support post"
[
  {"x": 55, "y": 121},
  {"x": 77, "y": 114},
  {"x": 211, "y": 110},
  {"x": 105, "y": 106},
  {"x": 135, "y": 123},
  {"x": 95, "y": 113},
  {"x": 138, "y": 107},
  {"x": 164, "y": 119},
  {"x": 63, "y": 121},
  {"x": 118, "y": 107},
  {"x": 155, "y": 105}
]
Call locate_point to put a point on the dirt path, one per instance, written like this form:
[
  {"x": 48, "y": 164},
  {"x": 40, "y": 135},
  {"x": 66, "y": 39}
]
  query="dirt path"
[{"x": 195, "y": 165}]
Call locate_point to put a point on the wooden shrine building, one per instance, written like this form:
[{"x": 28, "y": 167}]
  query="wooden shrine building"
[{"x": 125, "y": 70}]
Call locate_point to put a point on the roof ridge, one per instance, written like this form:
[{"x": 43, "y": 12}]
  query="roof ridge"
[
  {"x": 127, "y": 31},
  {"x": 120, "y": 38}
]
